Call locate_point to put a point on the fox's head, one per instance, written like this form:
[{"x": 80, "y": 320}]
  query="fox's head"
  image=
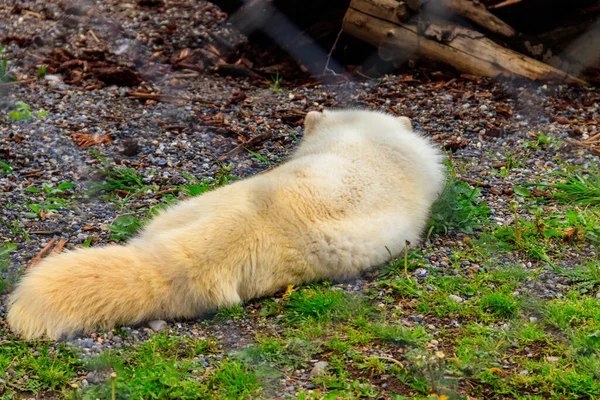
[{"x": 316, "y": 120}]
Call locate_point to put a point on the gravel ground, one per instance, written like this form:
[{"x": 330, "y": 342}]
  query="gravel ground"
[{"x": 484, "y": 123}]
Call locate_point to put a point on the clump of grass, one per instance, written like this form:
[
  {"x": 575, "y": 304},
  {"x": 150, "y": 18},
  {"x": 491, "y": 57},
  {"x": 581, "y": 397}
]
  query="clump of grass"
[
  {"x": 501, "y": 304},
  {"x": 260, "y": 157},
  {"x": 233, "y": 312},
  {"x": 23, "y": 112},
  {"x": 275, "y": 83},
  {"x": 195, "y": 187},
  {"x": 161, "y": 368},
  {"x": 459, "y": 207},
  {"x": 5, "y": 169},
  {"x": 35, "y": 367},
  {"x": 124, "y": 227},
  {"x": 51, "y": 203},
  {"x": 542, "y": 140},
  {"x": 233, "y": 380},
  {"x": 4, "y": 75},
  {"x": 577, "y": 311},
  {"x": 61, "y": 188},
  {"x": 585, "y": 279},
  {"x": 322, "y": 305},
  {"x": 117, "y": 178},
  {"x": 578, "y": 188},
  {"x": 41, "y": 71},
  {"x": 398, "y": 334},
  {"x": 293, "y": 352},
  {"x": 545, "y": 234}
]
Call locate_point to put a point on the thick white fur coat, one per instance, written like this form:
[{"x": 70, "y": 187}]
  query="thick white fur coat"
[{"x": 359, "y": 184}]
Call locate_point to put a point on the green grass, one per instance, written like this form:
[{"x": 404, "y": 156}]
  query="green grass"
[
  {"x": 55, "y": 199},
  {"x": 124, "y": 227},
  {"x": 316, "y": 304},
  {"x": 127, "y": 182},
  {"x": 275, "y": 83},
  {"x": 584, "y": 278},
  {"x": 546, "y": 234},
  {"x": 578, "y": 188},
  {"x": 41, "y": 71},
  {"x": 458, "y": 208},
  {"x": 542, "y": 141},
  {"x": 260, "y": 157},
  {"x": 23, "y": 112},
  {"x": 4, "y": 75},
  {"x": 35, "y": 367},
  {"x": 5, "y": 169}
]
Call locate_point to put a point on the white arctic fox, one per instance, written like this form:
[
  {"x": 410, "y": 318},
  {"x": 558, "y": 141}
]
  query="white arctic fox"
[{"x": 360, "y": 182}]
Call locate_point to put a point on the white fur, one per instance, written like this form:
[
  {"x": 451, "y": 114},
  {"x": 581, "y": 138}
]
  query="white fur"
[{"x": 360, "y": 183}]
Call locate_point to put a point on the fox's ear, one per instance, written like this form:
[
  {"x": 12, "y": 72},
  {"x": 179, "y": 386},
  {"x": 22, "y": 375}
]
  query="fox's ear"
[
  {"x": 312, "y": 119},
  {"x": 405, "y": 121}
]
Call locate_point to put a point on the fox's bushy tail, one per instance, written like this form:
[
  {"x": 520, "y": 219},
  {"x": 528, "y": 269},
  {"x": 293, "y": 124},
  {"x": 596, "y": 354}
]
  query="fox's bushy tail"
[{"x": 89, "y": 289}]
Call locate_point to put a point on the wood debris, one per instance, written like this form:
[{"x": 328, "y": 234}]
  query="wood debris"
[
  {"x": 84, "y": 140},
  {"x": 47, "y": 250}
]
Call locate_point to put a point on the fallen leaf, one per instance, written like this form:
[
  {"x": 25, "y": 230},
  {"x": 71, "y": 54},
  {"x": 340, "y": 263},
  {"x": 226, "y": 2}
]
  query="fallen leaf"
[{"x": 84, "y": 140}]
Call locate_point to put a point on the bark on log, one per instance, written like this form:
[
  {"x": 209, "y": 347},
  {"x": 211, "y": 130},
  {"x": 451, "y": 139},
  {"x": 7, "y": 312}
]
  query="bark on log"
[
  {"x": 478, "y": 14},
  {"x": 392, "y": 10},
  {"x": 415, "y": 4},
  {"x": 464, "y": 49}
]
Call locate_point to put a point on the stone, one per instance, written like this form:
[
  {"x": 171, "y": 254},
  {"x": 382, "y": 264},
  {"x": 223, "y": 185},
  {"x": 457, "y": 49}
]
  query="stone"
[
  {"x": 456, "y": 299},
  {"x": 157, "y": 325},
  {"x": 319, "y": 369}
]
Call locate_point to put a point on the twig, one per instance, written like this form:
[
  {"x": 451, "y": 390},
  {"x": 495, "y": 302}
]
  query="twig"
[
  {"x": 159, "y": 97},
  {"x": 94, "y": 36},
  {"x": 505, "y": 3},
  {"x": 326, "y": 69},
  {"x": 406, "y": 259},
  {"x": 255, "y": 140},
  {"x": 398, "y": 363},
  {"x": 168, "y": 191},
  {"x": 182, "y": 75},
  {"x": 34, "y": 14},
  {"x": 41, "y": 254},
  {"x": 17, "y": 82},
  {"x": 473, "y": 181},
  {"x": 59, "y": 246}
]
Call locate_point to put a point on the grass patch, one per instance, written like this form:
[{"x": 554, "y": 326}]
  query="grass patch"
[
  {"x": 501, "y": 304},
  {"x": 318, "y": 304},
  {"x": 459, "y": 208},
  {"x": 4, "y": 75},
  {"x": 23, "y": 112},
  {"x": 584, "y": 278},
  {"x": 162, "y": 368},
  {"x": 35, "y": 366},
  {"x": 578, "y": 188},
  {"x": 124, "y": 227},
  {"x": 544, "y": 235}
]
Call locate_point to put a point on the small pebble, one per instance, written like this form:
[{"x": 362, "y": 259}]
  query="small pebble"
[
  {"x": 157, "y": 325},
  {"x": 319, "y": 369},
  {"x": 456, "y": 298}
]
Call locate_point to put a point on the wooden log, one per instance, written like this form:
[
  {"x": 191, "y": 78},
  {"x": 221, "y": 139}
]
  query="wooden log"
[
  {"x": 415, "y": 4},
  {"x": 466, "y": 50},
  {"x": 478, "y": 14},
  {"x": 391, "y": 10},
  {"x": 398, "y": 11}
]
